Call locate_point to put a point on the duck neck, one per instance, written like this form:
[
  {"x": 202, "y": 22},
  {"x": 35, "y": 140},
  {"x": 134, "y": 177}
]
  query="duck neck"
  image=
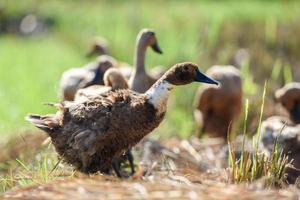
[
  {"x": 158, "y": 94},
  {"x": 139, "y": 58}
]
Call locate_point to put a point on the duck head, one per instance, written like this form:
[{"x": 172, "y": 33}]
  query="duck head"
[
  {"x": 289, "y": 97},
  {"x": 185, "y": 73},
  {"x": 179, "y": 74},
  {"x": 148, "y": 38},
  {"x": 102, "y": 64},
  {"x": 105, "y": 62},
  {"x": 99, "y": 46},
  {"x": 114, "y": 78}
]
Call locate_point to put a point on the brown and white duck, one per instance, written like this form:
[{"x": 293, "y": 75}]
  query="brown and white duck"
[
  {"x": 90, "y": 74},
  {"x": 289, "y": 97},
  {"x": 139, "y": 80},
  {"x": 93, "y": 134},
  {"x": 218, "y": 107}
]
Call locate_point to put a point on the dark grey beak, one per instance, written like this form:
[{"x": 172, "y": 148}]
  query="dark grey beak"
[
  {"x": 200, "y": 77},
  {"x": 156, "y": 48}
]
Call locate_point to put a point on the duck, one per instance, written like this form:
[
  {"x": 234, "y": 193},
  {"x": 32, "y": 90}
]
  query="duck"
[
  {"x": 289, "y": 97},
  {"x": 140, "y": 81},
  {"x": 92, "y": 134},
  {"x": 217, "y": 108},
  {"x": 90, "y": 74},
  {"x": 98, "y": 47},
  {"x": 113, "y": 80},
  {"x": 136, "y": 74},
  {"x": 287, "y": 135}
]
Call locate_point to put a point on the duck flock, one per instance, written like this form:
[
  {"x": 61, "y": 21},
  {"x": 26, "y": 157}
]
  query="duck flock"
[{"x": 107, "y": 107}]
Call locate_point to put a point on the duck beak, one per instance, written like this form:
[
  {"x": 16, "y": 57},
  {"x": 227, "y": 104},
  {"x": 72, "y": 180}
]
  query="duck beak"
[
  {"x": 156, "y": 48},
  {"x": 200, "y": 77}
]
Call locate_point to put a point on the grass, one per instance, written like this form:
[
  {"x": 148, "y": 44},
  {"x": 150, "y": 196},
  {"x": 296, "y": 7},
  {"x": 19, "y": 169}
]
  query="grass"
[
  {"x": 254, "y": 164},
  {"x": 42, "y": 168},
  {"x": 198, "y": 31}
]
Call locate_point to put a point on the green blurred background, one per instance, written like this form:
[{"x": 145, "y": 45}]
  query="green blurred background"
[{"x": 205, "y": 32}]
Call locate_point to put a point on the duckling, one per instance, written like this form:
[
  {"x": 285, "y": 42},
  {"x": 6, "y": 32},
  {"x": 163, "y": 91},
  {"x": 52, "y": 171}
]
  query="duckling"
[
  {"x": 217, "y": 107},
  {"x": 287, "y": 135},
  {"x": 98, "y": 47},
  {"x": 139, "y": 80},
  {"x": 90, "y": 74},
  {"x": 91, "y": 135},
  {"x": 289, "y": 97}
]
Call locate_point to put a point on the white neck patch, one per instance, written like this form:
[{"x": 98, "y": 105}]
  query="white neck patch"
[{"x": 158, "y": 95}]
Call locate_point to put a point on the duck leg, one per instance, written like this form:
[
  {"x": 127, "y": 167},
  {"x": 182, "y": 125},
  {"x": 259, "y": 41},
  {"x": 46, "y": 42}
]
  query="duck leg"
[
  {"x": 131, "y": 161},
  {"x": 117, "y": 164},
  {"x": 117, "y": 167}
]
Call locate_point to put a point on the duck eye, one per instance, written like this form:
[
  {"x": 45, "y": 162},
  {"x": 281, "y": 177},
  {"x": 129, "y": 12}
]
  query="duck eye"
[{"x": 185, "y": 68}]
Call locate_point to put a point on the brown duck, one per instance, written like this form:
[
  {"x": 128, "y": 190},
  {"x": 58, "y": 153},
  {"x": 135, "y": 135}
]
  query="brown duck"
[
  {"x": 218, "y": 107},
  {"x": 90, "y": 74},
  {"x": 93, "y": 134}
]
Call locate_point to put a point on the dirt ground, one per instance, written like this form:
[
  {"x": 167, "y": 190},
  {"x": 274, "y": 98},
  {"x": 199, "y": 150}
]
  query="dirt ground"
[{"x": 172, "y": 169}]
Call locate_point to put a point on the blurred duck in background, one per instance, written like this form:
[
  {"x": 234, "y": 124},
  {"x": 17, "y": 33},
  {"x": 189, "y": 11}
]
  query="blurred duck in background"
[
  {"x": 90, "y": 74},
  {"x": 286, "y": 130},
  {"x": 218, "y": 107},
  {"x": 139, "y": 80},
  {"x": 289, "y": 98},
  {"x": 98, "y": 47},
  {"x": 287, "y": 135},
  {"x": 113, "y": 80}
]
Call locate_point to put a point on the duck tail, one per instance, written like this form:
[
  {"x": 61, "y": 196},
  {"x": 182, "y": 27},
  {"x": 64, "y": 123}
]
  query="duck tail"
[{"x": 47, "y": 123}]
